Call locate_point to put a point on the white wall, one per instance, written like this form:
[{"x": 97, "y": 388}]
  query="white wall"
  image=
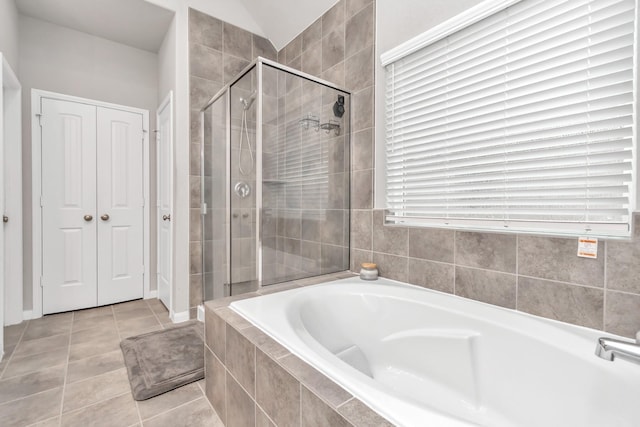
[
  {"x": 397, "y": 22},
  {"x": 9, "y": 32},
  {"x": 231, "y": 11},
  {"x": 58, "y": 59}
]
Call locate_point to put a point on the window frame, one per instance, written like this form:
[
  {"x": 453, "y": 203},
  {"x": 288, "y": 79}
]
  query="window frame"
[{"x": 444, "y": 29}]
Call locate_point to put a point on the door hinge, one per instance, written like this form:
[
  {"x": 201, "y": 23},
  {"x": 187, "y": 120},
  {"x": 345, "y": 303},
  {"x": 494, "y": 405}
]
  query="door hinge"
[
  {"x": 41, "y": 282},
  {"x": 143, "y": 202},
  {"x": 203, "y": 209},
  {"x": 39, "y": 116},
  {"x": 41, "y": 201},
  {"x": 144, "y": 134}
]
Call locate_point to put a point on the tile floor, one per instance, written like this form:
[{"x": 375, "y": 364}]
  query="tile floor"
[{"x": 67, "y": 370}]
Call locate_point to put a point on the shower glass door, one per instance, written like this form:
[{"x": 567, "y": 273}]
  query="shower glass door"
[
  {"x": 213, "y": 187},
  {"x": 305, "y": 177},
  {"x": 243, "y": 191}
]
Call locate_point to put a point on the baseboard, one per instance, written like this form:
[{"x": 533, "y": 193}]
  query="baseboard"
[
  {"x": 152, "y": 294},
  {"x": 27, "y": 315},
  {"x": 180, "y": 317}
]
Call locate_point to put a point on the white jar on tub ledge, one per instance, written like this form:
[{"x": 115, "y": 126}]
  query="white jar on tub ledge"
[{"x": 368, "y": 271}]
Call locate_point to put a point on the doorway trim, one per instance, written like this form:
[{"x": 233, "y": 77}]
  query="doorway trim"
[
  {"x": 10, "y": 108},
  {"x": 36, "y": 200}
]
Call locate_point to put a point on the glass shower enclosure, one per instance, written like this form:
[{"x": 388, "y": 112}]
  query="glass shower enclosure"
[{"x": 275, "y": 180}]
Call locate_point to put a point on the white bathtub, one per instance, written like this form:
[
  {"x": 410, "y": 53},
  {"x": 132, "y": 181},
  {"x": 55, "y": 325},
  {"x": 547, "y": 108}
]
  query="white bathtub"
[{"x": 423, "y": 358}]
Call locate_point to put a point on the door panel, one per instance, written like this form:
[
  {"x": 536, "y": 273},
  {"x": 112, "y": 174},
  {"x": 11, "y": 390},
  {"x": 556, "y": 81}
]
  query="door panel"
[
  {"x": 69, "y": 278},
  {"x": 165, "y": 200},
  {"x": 120, "y": 206}
]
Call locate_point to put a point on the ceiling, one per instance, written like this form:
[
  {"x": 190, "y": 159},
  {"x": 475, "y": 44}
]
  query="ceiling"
[
  {"x": 143, "y": 25},
  {"x": 132, "y": 22},
  {"x": 283, "y": 20}
]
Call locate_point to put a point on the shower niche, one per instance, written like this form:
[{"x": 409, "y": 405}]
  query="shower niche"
[{"x": 275, "y": 183}]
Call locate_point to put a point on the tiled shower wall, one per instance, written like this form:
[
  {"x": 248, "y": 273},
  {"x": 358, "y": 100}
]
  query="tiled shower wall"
[
  {"x": 306, "y": 172},
  {"x": 339, "y": 47},
  {"x": 540, "y": 275},
  {"x": 217, "y": 52}
]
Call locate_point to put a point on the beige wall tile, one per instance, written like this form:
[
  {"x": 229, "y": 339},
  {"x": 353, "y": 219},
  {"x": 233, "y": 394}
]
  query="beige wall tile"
[
  {"x": 333, "y": 18},
  {"x": 241, "y": 359},
  {"x": 316, "y": 413},
  {"x": 432, "y": 244},
  {"x": 315, "y": 381},
  {"x": 568, "y": 303},
  {"x": 622, "y": 314},
  {"x": 433, "y": 275},
  {"x": 215, "y": 383},
  {"x": 391, "y": 266},
  {"x": 241, "y": 408},
  {"x": 360, "y": 31},
  {"x": 277, "y": 392},
  {"x": 623, "y": 266},
  {"x": 205, "y": 30},
  {"x": 237, "y": 42},
  {"x": 486, "y": 250},
  {"x": 359, "y": 414},
  {"x": 389, "y": 239},
  {"x": 556, "y": 259},
  {"x": 487, "y": 286},
  {"x": 215, "y": 333}
]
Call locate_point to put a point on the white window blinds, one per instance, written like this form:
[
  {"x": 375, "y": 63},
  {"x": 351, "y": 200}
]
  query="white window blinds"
[{"x": 523, "y": 120}]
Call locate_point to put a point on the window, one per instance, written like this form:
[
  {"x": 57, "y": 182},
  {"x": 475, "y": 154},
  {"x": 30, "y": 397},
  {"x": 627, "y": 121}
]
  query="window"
[{"x": 523, "y": 120}]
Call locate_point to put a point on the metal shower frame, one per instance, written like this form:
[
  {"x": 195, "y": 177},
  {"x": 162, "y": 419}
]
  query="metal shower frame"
[{"x": 260, "y": 63}]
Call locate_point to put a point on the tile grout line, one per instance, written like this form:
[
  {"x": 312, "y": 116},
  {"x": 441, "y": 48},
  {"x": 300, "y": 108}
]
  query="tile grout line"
[
  {"x": 155, "y": 315},
  {"x": 66, "y": 370},
  {"x": 173, "y": 409},
  {"x": 14, "y": 351},
  {"x": 81, "y": 408}
]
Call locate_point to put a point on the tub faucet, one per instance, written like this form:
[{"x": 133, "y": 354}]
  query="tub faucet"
[{"x": 610, "y": 349}]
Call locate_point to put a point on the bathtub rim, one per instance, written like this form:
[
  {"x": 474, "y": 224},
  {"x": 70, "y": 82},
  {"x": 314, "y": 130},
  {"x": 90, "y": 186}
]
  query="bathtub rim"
[{"x": 581, "y": 332}]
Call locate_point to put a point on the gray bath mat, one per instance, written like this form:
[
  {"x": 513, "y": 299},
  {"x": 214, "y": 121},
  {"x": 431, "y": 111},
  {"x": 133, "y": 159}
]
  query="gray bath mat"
[{"x": 160, "y": 361}]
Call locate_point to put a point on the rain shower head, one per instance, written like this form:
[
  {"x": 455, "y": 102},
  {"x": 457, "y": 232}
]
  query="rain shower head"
[{"x": 246, "y": 103}]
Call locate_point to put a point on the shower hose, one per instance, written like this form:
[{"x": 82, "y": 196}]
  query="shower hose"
[{"x": 244, "y": 131}]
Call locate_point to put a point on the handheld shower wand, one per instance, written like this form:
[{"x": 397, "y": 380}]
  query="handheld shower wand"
[{"x": 244, "y": 131}]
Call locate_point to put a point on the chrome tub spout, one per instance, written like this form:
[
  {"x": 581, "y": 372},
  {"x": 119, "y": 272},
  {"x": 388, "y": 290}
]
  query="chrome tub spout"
[{"x": 611, "y": 349}]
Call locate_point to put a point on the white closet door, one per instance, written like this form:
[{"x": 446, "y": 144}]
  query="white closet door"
[
  {"x": 120, "y": 206},
  {"x": 165, "y": 200},
  {"x": 69, "y": 270}
]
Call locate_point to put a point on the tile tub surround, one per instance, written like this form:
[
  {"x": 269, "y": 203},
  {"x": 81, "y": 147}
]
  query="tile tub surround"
[
  {"x": 535, "y": 274},
  {"x": 252, "y": 380}
]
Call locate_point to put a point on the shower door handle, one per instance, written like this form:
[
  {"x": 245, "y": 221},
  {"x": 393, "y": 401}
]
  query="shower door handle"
[{"x": 166, "y": 217}]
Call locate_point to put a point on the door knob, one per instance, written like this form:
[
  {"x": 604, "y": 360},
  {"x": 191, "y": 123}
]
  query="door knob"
[
  {"x": 166, "y": 217},
  {"x": 5, "y": 218},
  {"x": 105, "y": 217},
  {"x": 88, "y": 218}
]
